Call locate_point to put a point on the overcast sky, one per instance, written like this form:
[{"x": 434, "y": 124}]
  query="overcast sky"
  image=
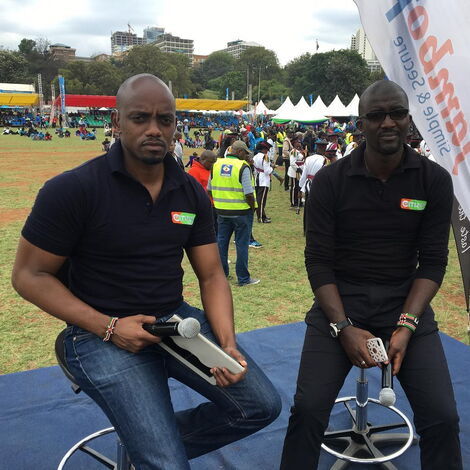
[{"x": 288, "y": 28}]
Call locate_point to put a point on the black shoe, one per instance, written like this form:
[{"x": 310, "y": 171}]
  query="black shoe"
[
  {"x": 259, "y": 220},
  {"x": 266, "y": 221}
]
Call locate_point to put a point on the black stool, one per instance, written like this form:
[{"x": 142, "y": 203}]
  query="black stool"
[
  {"x": 122, "y": 459},
  {"x": 362, "y": 442}
]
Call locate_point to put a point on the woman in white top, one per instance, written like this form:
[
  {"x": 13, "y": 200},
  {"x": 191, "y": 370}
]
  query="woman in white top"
[{"x": 263, "y": 170}]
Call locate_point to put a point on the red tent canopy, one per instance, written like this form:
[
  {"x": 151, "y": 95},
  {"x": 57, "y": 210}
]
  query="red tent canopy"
[{"x": 88, "y": 101}]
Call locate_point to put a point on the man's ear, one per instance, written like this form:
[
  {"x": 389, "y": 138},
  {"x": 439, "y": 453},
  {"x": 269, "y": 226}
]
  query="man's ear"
[
  {"x": 359, "y": 124},
  {"x": 115, "y": 120}
]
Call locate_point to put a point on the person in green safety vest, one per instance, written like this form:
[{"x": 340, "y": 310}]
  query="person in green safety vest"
[{"x": 232, "y": 189}]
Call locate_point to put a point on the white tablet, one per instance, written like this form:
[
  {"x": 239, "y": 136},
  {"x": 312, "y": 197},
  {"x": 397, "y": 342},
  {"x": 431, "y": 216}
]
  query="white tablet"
[{"x": 199, "y": 354}]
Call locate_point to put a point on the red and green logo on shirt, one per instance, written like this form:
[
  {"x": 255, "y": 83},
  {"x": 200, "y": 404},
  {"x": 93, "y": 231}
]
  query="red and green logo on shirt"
[
  {"x": 412, "y": 204},
  {"x": 184, "y": 218}
]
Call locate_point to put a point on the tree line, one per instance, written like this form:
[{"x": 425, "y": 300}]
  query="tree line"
[{"x": 256, "y": 73}]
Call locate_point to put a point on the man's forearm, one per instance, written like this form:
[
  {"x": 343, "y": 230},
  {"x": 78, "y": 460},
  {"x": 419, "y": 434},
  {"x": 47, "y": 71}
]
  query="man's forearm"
[
  {"x": 50, "y": 295},
  {"x": 331, "y": 303},
  {"x": 218, "y": 305},
  {"x": 421, "y": 293}
]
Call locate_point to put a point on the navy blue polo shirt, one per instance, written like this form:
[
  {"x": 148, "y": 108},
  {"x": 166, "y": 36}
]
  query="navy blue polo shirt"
[
  {"x": 125, "y": 251},
  {"x": 365, "y": 231}
]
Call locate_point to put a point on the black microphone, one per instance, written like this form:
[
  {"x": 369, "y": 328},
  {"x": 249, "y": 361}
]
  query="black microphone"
[
  {"x": 387, "y": 395},
  {"x": 187, "y": 328}
]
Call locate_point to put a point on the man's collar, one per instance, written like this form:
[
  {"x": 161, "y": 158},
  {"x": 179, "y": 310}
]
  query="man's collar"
[
  {"x": 174, "y": 176},
  {"x": 411, "y": 159}
]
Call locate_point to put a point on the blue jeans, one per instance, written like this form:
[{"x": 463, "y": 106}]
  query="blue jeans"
[
  {"x": 241, "y": 225},
  {"x": 132, "y": 390}
]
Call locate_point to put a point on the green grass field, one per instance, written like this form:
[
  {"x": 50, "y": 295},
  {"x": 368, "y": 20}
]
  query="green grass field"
[{"x": 27, "y": 335}]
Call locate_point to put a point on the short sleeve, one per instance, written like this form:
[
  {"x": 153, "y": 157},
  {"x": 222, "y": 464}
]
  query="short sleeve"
[
  {"x": 57, "y": 218},
  {"x": 203, "y": 231}
]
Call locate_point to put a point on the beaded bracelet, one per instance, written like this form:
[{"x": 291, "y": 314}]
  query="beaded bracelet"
[
  {"x": 408, "y": 320},
  {"x": 110, "y": 328}
]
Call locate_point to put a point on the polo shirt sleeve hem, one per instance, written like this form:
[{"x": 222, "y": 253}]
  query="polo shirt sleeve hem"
[
  {"x": 320, "y": 279},
  {"x": 433, "y": 275},
  {"x": 206, "y": 241},
  {"x": 43, "y": 244},
  {"x": 55, "y": 222}
]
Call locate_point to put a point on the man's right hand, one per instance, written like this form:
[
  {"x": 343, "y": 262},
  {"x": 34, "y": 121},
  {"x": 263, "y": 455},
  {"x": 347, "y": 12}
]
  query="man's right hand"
[
  {"x": 353, "y": 341},
  {"x": 129, "y": 334}
]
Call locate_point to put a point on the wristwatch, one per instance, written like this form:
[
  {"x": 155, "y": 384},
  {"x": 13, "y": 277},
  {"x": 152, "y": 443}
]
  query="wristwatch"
[{"x": 336, "y": 328}]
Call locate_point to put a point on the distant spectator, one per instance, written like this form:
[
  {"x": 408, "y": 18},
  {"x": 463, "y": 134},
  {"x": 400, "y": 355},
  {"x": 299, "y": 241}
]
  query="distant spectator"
[{"x": 106, "y": 144}]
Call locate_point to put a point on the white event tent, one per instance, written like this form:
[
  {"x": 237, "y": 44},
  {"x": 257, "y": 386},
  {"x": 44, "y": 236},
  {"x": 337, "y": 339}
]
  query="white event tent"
[
  {"x": 319, "y": 106},
  {"x": 262, "y": 109},
  {"x": 353, "y": 107},
  {"x": 337, "y": 108},
  {"x": 301, "y": 112}
]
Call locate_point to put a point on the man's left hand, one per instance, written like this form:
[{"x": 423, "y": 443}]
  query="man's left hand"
[
  {"x": 223, "y": 376},
  {"x": 397, "y": 348}
]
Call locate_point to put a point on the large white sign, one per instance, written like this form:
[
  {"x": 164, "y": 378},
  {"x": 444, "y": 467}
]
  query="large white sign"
[{"x": 424, "y": 46}]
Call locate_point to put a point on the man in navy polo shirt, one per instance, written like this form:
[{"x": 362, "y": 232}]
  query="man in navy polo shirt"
[
  {"x": 377, "y": 231},
  {"x": 124, "y": 220}
]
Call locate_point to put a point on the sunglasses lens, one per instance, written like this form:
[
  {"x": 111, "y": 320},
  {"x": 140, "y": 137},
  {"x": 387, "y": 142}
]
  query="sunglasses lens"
[
  {"x": 379, "y": 116},
  {"x": 399, "y": 114},
  {"x": 376, "y": 116}
]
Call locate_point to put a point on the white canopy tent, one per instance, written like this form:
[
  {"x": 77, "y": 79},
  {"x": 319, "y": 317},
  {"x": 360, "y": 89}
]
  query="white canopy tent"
[
  {"x": 353, "y": 107},
  {"x": 337, "y": 108},
  {"x": 319, "y": 106},
  {"x": 285, "y": 107},
  {"x": 301, "y": 112},
  {"x": 262, "y": 109},
  {"x": 302, "y": 106}
]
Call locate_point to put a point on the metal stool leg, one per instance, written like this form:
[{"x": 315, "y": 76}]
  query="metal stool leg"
[
  {"x": 361, "y": 442},
  {"x": 122, "y": 460}
]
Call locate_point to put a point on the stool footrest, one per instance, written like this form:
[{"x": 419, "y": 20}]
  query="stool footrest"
[{"x": 362, "y": 445}]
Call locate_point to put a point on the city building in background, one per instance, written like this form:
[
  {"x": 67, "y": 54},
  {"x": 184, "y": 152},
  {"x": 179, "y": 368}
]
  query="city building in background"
[
  {"x": 235, "y": 48},
  {"x": 62, "y": 52},
  {"x": 199, "y": 59},
  {"x": 151, "y": 33},
  {"x": 169, "y": 43},
  {"x": 122, "y": 41},
  {"x": 361, "y": 44}
]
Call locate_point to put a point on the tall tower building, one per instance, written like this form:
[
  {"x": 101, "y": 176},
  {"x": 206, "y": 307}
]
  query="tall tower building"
[
  {"x": 235, "y": 48},
  {"x": 122, "y": 41},
  {"x": 361, "y": 44}
]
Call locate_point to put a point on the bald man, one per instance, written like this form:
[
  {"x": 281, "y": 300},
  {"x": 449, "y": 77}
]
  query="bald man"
[
  {"x": 116, "y": 219},
  {"x": 371, "y": 217}
]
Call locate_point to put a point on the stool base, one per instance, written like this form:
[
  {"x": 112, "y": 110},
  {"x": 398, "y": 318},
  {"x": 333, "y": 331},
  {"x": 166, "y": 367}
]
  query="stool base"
[{"x": 364, "y": 446}]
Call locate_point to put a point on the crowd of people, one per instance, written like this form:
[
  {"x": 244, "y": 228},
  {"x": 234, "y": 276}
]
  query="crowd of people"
[{"x": 374, "y": 262}]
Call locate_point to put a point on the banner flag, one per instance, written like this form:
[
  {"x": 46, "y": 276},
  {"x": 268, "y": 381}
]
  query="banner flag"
[
  {"x": 62, "y": 94},
  {"x": 423, "y": 46},
  {"x": 461, "y": 228}
]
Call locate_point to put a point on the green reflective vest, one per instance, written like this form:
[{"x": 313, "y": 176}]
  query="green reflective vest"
[{"x": 226, "y": 187}]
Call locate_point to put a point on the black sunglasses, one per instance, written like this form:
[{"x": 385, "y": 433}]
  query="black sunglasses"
[{"x": 379, "y": 116}]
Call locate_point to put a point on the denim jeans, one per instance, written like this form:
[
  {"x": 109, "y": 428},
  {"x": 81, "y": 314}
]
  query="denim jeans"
[
  {"x": 241, "y": 225},
  {"x": 132, "y": 390}
]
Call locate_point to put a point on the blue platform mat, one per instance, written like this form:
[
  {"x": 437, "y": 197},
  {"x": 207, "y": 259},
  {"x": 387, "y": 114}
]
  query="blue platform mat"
[{"x": 41, "y": 418}]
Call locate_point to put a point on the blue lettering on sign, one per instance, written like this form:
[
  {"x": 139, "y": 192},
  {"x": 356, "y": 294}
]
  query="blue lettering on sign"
[
  {"x": 397, "y": 9},
  {"x": 226, "y": 170}
]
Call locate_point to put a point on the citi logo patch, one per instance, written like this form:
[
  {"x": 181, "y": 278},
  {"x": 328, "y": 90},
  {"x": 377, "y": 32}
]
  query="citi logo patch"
[
  {"x": 412, "y": 204},
  {"x": 184, "y": 218},
  {"x": 226, "y": 170}
]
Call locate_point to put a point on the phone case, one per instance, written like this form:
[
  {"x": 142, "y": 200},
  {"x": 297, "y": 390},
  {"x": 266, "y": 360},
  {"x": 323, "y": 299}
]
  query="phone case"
[{"x": 376, "y": 350}]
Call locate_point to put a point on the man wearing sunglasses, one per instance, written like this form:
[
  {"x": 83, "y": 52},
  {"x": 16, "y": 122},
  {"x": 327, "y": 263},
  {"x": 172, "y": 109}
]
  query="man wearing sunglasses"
[{"x": 376, "y": 252}]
